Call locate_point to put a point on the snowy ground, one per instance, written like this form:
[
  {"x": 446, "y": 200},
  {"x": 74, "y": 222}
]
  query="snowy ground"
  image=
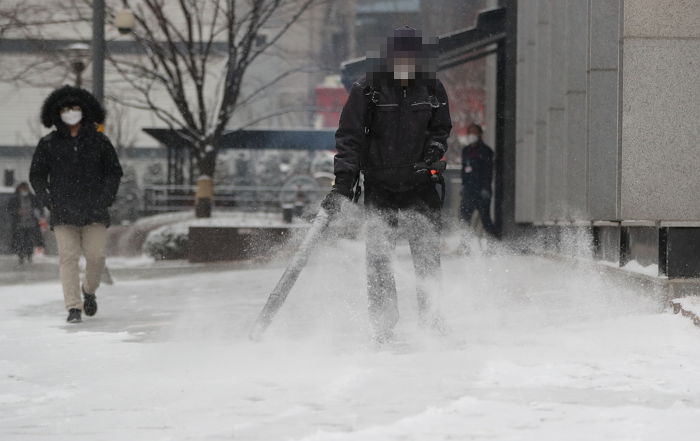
[{"x": 539, "y": 350}]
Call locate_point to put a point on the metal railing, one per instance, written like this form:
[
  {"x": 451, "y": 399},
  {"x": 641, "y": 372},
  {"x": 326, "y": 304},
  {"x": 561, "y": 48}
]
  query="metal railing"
[{"x": 168, "y": 198}]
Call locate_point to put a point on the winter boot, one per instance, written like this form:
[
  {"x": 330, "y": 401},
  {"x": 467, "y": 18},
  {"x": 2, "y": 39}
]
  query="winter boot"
[
  {"x": 381, "y": 337},
  {"x": 74, "y": 316},
  {"x": 433, "y": 320},
  {"x": 89, "y": 304}
]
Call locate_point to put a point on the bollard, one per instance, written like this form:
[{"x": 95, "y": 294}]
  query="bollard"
[{"x": 287, "y": 213}]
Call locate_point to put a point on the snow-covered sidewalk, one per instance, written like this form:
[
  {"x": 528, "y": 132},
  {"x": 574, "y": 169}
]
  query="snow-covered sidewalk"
[{"x": 538, "y": 350}]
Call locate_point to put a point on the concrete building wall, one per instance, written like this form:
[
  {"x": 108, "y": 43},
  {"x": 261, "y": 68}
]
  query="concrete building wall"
[
  {"x": 608, "y": 110},
  {"x": 661, "y": 110}
]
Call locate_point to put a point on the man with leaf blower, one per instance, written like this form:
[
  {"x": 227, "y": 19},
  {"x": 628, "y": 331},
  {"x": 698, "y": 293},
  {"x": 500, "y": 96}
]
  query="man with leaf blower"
[{"x": 394, "y": 129}]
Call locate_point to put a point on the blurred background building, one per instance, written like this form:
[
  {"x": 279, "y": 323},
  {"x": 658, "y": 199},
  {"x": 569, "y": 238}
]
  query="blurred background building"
[{"x": 39, "y": 58}]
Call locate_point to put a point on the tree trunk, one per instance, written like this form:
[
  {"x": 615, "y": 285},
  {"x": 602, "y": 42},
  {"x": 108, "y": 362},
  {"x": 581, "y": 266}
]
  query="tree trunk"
[{"x": 204, "y": 196}]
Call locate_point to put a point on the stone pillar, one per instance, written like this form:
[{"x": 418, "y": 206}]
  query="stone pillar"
[
  {"x": 576, "y": 48},
  {"x": 526, "y": 167},
  {"x": 541, "y": 106},
  {"x": 603, "y": 109},
  {"x": 556, "y": 128}
]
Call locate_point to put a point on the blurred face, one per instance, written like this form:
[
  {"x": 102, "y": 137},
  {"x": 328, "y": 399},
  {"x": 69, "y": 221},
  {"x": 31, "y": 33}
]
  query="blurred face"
[
  {"x": 473, "y": 135},
  {"x": 404, "y": 67},
  {"x": 71, "y": 115}
]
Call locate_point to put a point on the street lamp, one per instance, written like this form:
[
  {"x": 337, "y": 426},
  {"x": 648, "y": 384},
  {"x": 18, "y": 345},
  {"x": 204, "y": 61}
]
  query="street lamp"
[
  {"x": 124, "y": 20},
  {"x": 78, "y": 53}
]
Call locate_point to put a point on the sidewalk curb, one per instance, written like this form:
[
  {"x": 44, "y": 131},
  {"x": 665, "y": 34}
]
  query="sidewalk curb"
[
  {"x": 670, "y": 291},
  {"x": 677, "y": 306}
]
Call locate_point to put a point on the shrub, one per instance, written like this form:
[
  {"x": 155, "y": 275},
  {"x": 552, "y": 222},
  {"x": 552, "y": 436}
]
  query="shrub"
[{"x": 167, "y": 242}]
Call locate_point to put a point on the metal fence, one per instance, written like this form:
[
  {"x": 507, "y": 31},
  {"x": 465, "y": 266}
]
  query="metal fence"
[{"x": 167, "y": 198}]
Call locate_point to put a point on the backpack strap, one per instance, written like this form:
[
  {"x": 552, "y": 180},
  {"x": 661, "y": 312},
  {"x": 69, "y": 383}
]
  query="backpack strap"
[
  {"x": 371, "y": 94},
  {"x": 432, "y": 95},
  {"x": 371, "y": 103}
]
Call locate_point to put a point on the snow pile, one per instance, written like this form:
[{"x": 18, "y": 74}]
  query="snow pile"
[
  {"x": 131, "y": 239},
  {"x": 647, "y": 270},
  {"x": 129, "y": 262},
  {"x": 170, "y": 241},
  {"x": 165, "y": 218},
  {"x": 167, "y": 242},
  {"x": 689, "y": 303}
]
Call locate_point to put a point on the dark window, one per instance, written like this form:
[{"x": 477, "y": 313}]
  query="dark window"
[{"x": 9, "y": 178}]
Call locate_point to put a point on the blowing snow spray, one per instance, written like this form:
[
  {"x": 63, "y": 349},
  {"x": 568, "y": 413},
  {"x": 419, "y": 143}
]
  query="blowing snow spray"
[{"x": 291, "y": 274}]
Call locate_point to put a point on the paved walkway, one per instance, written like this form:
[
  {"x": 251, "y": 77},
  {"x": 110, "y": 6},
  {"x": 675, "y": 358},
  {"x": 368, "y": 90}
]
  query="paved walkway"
[
  {"x": 45, "y": 269},
  {"x": 538, "y": 350}
]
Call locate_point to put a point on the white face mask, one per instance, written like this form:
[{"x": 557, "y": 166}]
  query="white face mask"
[
  {"x": 72, "y": 117},
  {"x": 471, "y": 138}
]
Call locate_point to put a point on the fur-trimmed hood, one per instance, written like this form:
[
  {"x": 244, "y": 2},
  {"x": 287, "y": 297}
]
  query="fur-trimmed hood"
[{"x": 93, "y": 112}]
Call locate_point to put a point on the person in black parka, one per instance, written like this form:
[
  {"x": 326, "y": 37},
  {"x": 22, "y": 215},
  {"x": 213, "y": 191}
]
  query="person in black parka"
[
  {"x": 395, "y": 118},
  {"x": 477, "y": 176},
  {"x": 75, "y": 173},
  {"x": 25, "y": 211}
]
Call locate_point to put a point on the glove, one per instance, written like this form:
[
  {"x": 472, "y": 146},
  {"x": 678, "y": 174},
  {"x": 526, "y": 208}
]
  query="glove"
[
  {"x": 485, "y": 194},
  {"x": 434, "y": 152},
  {"x": 341, "y": 190},
  {"x": 333, "y": 202}
]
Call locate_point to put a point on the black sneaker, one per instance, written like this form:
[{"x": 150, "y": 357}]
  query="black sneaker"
[
  {"x": 89, "y": 304},
  {"x": 74, "y": 316}
]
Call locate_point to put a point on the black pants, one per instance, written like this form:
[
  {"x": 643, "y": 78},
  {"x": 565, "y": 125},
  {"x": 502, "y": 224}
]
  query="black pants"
[
  {"x": 24, "y": 241},
  {"x": 472, "y": 200},
  {"x": 421, "y": 210}
]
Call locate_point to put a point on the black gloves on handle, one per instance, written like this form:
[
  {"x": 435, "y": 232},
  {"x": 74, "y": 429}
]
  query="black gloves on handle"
[
  {"x": 434, "y": 152},
  {"x": 341, "y": 190}
]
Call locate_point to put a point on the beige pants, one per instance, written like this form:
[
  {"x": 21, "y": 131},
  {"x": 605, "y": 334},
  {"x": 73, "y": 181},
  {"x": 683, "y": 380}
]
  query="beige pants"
[{"x": 91, "y": 241}]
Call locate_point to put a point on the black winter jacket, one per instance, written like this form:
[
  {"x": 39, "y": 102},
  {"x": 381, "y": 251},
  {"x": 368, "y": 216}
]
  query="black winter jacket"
[
  {"x": 405, "y": 121},
  {"x": 76, "y": 178},
  {"x": 477, "y": 167}
]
